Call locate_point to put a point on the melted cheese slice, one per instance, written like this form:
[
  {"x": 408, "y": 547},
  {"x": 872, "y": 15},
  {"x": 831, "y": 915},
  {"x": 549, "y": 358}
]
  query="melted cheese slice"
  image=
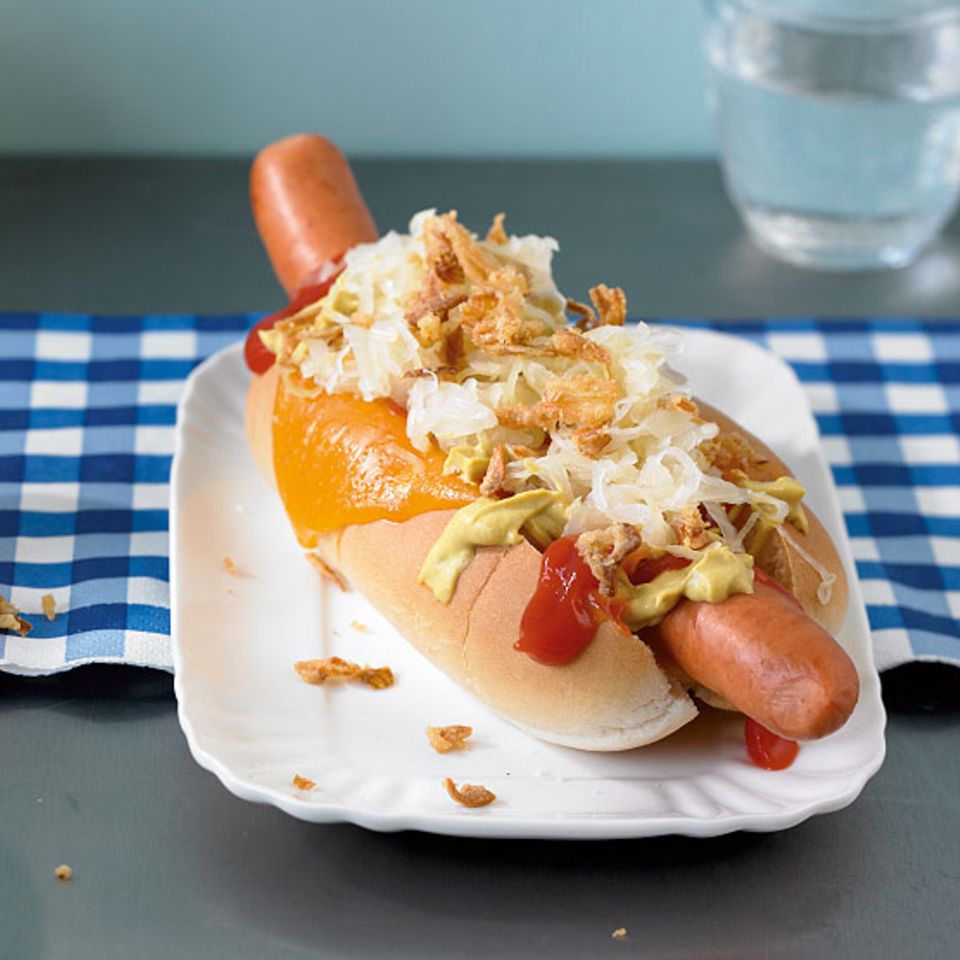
[{"x": 341, "y": 460}]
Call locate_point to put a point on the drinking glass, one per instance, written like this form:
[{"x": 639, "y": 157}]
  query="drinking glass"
[{"x": 838, "y": 124}]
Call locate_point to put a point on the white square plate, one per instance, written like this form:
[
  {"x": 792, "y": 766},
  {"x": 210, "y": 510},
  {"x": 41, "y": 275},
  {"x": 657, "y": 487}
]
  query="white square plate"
[{"x": 250, "y": 719}]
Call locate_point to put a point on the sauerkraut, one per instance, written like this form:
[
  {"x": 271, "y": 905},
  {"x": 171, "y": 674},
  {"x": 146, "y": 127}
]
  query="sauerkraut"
[{"x": 394, "y": 325}]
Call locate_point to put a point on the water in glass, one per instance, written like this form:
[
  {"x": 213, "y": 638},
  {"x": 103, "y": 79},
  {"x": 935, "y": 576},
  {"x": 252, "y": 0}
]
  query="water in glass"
[{"x": 840, "y": 138}]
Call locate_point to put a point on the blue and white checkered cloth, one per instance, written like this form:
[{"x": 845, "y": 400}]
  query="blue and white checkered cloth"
[{"x": 87, "y": 413}]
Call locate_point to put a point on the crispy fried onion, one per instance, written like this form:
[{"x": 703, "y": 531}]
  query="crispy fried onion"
[
  {"x": 470, "y": 794},
  {"x": 327, "y": 571},
  {"x": 334, "y": 668},
  {"x": 691, "y": 529},
  {"x": 610, "y": 304},
  {"x": 445, "y": 739},
  {"x": 568, "y": 343},
  {"x": 428, "y": 317},
  {"x": 452, "y": 254},
  {"x": 731, "y": 454},
  {"x": 427, "y": 311},
  {"x": 677, "y": 401},
  {"x": 496, "y": 233},
  {"x": 603, "y": 550},
  {"x": 10, "y": 619},
  {"x": 493, "y": 314},
  {"x": 587, "y": 315},
  {"x": 293, "y": 330},
  {"x": 580, "y": 401},
  {"x": 591, "y": 441},
  {"x": 492, "y": 483},
  {"x": 465, "y": 288}
]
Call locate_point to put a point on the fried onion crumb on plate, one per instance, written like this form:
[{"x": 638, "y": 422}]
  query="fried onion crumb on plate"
[
  {"x": 470, "y": 794},
  {"x": 445, "y": 739},
  {"x": 303, "y": 783},
  {"x": 327, "y": 571},
  {"x": 64, "y": 872},
  {"x": 317, "y": 672}
]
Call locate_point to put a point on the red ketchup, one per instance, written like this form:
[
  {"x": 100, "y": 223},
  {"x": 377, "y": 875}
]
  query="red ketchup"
[
  {"x": 567, "y": 607},
  {"x": 315, "y": 285},
  {"x": 562, "y": 615},
  {"x": 645, "y": 569},
  {"x": 768, "y": 750}
]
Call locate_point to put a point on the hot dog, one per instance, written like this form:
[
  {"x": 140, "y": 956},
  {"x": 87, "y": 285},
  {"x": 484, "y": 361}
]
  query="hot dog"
[
  {"x": 763, "y": 653},
  {"x": 307, "y": 207},
  {"x": 758, "y": 650}
]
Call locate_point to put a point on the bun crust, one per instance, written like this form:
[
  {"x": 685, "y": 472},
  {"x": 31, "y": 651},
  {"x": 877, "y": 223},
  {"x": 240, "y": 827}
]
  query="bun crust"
[{"x": 779, "y": 557}]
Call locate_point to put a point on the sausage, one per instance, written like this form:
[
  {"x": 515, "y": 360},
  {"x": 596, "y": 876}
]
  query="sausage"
[
  {"x": 307, "y": 206},
  {"x": 766, "y": 657}
]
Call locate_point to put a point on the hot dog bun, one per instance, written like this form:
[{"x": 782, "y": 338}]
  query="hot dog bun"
[
  {"x": 613, "y": 697},
  {"x": 779, "y": 556}
]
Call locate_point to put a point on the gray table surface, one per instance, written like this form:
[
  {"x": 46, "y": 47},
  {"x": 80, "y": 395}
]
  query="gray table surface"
[{"x": 94, "y": 771}]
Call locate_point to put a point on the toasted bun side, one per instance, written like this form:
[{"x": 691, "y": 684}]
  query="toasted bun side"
[
  {"x": 613, "y": 697},
  {"x": 779, "y": 557}
]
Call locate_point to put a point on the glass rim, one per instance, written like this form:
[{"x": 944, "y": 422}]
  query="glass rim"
[{"x": 774, "y": 10}]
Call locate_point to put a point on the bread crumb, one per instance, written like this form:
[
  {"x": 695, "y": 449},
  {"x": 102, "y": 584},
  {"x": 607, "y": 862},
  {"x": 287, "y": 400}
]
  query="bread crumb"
[
  {"x": 470, "y": 794},
  {"x": 358, "y": 626},
  {"x": 619, "y": 934},
  {"x": 64, "y": 873},
  {"x": 444, "y": 739},
  {"x": 319, "y": 671},
  {"x": 303, "y": 783},
  {"x": 10, "y": 618},
  {"x": 328, "y": 571},
  {"x": 230, "y": 566},
  {"x": 49, "y": 605}
]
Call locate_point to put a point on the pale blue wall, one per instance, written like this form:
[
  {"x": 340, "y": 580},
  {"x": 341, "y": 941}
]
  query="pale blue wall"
[{"x": 521, "y": 77}]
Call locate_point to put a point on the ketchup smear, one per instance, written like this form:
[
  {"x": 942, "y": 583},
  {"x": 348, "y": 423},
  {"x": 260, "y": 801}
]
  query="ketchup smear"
[
  {"x": 316, "y": 285},
  {"x": 567, "y": 606},
  {"x": 766, "y": 749},
  {"x": 562, "y": 615}
]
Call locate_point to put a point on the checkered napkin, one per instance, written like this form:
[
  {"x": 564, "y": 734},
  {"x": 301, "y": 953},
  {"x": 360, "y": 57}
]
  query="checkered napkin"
[
  {"x": 87, "y": 413},
  {"x": 886, "y": 397}
]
